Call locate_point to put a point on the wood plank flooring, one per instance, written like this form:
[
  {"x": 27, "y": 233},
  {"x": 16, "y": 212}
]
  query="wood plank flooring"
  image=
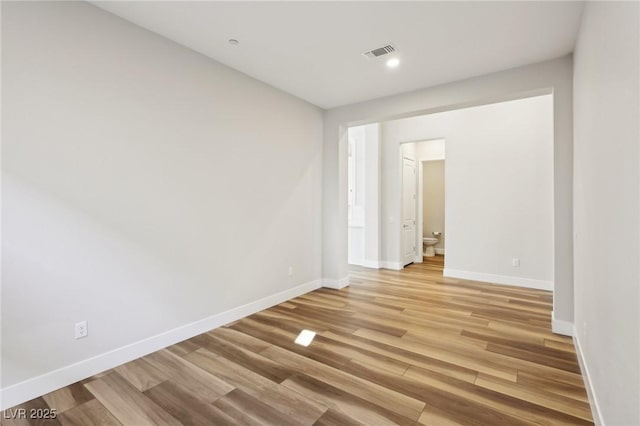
[{"x": 395, "y": 347}]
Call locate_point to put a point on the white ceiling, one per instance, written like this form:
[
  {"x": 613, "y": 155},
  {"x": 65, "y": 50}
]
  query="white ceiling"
[{"x": 313, "y": 49}]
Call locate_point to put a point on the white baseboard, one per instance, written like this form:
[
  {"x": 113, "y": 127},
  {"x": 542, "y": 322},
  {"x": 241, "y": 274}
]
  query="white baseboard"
[
  {"x": 335, "y": 284},
  {"x": 561, "y": 326},
  {"x": 418, "y": 259},
  {"x": 397, "y": 266},
  {"x": 593, "y": 401},
  {"x": 499, "y": 279},
  {"x": 375, "y": 264},
  {"x": 439, "y": 251},
  {"x": 56, "y": 379}
]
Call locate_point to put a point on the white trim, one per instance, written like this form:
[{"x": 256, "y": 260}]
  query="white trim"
[
  {"x": 335, "y": 284},
  {"x": 560, "y": 326},
  {"x": 593, "y": 401},
  {"x": 439, "y": 251},
  {"x": 418, "y": 259},
  {"x": 375, "y": 264},
  {"x": 499, "y": 279},
  {"x": 396, "y": 266},
  {"x": 56, "y": 379}
]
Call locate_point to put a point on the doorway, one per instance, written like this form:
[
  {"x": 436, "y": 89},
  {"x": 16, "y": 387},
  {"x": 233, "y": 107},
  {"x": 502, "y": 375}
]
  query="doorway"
[
  {"x": 431, "y": 200},
  {"x": 417, "y": 221},
  {"x": 363, "y": 212}
]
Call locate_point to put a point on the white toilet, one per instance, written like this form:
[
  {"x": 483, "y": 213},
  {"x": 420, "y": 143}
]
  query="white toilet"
[{"x": 429, "y": 243}]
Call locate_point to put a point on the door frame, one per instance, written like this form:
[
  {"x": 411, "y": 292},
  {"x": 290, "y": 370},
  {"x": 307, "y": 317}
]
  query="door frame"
[{"x": 419, "y": 206}]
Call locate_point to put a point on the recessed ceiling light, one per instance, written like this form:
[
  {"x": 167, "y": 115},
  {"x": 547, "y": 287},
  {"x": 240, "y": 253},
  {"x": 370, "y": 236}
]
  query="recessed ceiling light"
[
  {"x": 393, "y": 62},
  {"x": 233, "y": 42}
]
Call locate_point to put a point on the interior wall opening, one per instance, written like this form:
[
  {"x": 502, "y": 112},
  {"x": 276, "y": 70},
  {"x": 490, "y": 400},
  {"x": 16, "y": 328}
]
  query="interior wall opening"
[
  {"x": 423, "y": 200},
  {"x": 498, "y": 225},
  {"x": 363, "y": 205}
]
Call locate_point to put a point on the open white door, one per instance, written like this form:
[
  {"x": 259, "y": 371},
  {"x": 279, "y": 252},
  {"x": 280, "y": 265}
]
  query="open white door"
[{"x": 408, "y": 211}]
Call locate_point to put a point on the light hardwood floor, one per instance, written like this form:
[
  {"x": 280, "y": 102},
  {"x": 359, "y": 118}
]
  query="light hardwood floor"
[{"x": 395, "y": 347}]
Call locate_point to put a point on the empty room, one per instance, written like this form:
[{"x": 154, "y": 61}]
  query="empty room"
[{"x": 320, "y": 213}]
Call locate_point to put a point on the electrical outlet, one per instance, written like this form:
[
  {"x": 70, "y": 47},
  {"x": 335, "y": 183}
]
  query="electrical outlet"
[
  {"x": 515, "y": 262},
  {"x": 290, "y": 271},
  {"x": 82, "y": 330}
]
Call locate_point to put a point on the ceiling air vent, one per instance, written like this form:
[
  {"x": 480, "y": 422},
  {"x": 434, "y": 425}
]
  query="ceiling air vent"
[{"x": 380, "y": 51}]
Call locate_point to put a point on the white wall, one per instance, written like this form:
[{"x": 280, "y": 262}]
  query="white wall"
[
  {"x": 145, "y": 186},
  {"x": 357, "y": 151},
  {"x": 551, "y": 76},
  {"x": 372, "y": 238},
  {"x": 499, "y": 188},
  {"x": 430, "y": 150},
  {"x": 364, "y": 211},
  {"x": 607, "y": 251}
]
